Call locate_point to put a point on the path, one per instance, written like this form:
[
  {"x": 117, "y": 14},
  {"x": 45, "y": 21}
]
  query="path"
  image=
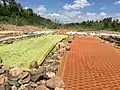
[{"x": 91, "y": 65}]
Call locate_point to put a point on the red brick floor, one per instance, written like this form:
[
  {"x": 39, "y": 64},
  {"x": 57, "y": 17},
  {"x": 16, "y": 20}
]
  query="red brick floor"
[{"x": 91, "y": 65}]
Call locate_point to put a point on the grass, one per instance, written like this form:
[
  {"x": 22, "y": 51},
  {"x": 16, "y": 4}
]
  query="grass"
[{"x": 20, "y": 54}]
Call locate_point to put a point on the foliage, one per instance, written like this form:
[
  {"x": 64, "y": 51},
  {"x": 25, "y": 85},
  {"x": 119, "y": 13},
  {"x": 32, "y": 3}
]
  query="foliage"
[
  {"x": 105, "y": 24},
  {"x": 13, "y": 13},
  {"x": 23, "y": 52}
]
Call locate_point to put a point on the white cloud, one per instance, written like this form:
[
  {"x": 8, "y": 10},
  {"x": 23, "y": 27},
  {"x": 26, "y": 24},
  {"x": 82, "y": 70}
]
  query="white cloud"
[
  {"x": 1, "y": 2},
  {"x": 102, "y": 8},
  {"x": 118, "y": 14},
  {"x": 118, "y": 2},
  {"x": 103, "y": 14},
  {"x": 41, "y": 10},
  {"x": 91, "y": 14},
  {"x": 77, "y": 5},
  {"x": 26, "y": 7}
]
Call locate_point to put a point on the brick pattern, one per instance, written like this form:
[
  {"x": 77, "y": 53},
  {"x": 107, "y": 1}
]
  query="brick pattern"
[{"x": 91, "y": 65}]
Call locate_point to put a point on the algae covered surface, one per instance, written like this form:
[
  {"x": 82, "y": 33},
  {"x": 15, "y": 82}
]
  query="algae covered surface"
[{"x": 21, "y": 53}]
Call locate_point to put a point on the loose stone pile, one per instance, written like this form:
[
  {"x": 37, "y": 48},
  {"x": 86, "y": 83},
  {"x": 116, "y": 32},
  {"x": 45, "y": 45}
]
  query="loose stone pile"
[{"x": 38, "y": 77}]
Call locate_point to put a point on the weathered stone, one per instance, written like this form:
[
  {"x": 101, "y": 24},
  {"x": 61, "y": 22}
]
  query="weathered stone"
[
  {"x": 7, "y": 86},
  {"x": 55, "y": 82},
  {"x": 2, "y": 71},
  {"x": 23, "y": 75},
  {"x": 12, "y": 82},
  {"x": 34, "y": 64},
  {"x": 42, "y": 82},
  {"x": 62, "y": 50},
  {"x": 57, "y": 88},
  {"x": 16, "y": 71},
  {"x": 7, "y": 73},
  {"x": 2, "y": 79},
  {"x": 68, "y": 48},
  {"x": 70, "y": 41},
  {"x": 13, "y": 88},
  {"x": 50, "y": 74},
  {"x": 23, "y": 87},
  {"x": 2, "y": 87},
  {"x": 33, "y": 71},
  {"x": 62, "y": 45},
  {"x": 42, "y": 87},
  {"x": 1, "y": 65},
  {"x": 37, "y": 77},
  {"x": 13, "y": 78},
  {"x": 25, "y": 80},
  {"x": 32, "y": 84}
]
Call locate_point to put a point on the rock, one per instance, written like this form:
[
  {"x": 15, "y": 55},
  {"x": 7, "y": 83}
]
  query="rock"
[
  {"x": 34, "y": 64},
  {"x": 42, "y": 82},
  {"x": 2, "y": 79},
  {"x": 2, "y": 71},
  {"x": 42, "y": 87},
  {"x": 37, "y": 77},
  {"x": 24, "y": 87},
  {"x": 16, "y": 71},
  {"x": 50, "y": 74},
  {"x": 62, "y": 45},
  {"x": 23, "y": 75},
  {"x": 13, "y": 83},
  {"x": 1, "y": 65},
  {"x": 25, "y": 80},
  {"x": 2, "y": 87},
  {"x": 40, "y": 69},
  {"x": 102, "y": 41},
  {"x": 70, "y": 41},
  {"x": 57, "y": 88},
  {"x": 55, "y": 82},
  {"x": 32, "y": 84},
  {"x": 13, "y": 88},
  {"x": 33, "y": 71},
  {"x": 62, "y": 51},
  {"x": 68, "y": 48},
  {"x": 7, "y": 73},
  {"x": 7, "y": 86}
]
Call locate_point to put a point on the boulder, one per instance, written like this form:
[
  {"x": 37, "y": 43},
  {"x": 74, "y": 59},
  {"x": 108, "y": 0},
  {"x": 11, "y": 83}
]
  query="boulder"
[
  {"x": 57, "y": 88},
  {"x": 37, "y": 77},
  {"x": 13, "y": 82},
  {"x": 34, "y": 64},
  {"x": 25, "y": 80},
  {"x": 2, "y": 71},
  {"x": 14, "y": 88},
  {"x": 2, "y": 87},
  {"x": 55, "y": 82},
  {"x": 70, "y": 41},
  {"x": 42, "y": 87},
  {"x": 68, "y": 48},
  {"x": 2, "y": 79},
  {"x": 23, "y": 75},
  {"x": 16, "y": 71},
  {"x": 50, "y": 74},
  {"x": 62, "y": 45}
]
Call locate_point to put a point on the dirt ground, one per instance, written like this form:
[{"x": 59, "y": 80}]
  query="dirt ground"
[{"x": 12, "y": 29}]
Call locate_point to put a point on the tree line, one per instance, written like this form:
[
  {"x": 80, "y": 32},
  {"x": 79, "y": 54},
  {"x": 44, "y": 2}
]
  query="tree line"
[
  {"x": 105, "y": 24},
  {"x": 12, "y": 12}
]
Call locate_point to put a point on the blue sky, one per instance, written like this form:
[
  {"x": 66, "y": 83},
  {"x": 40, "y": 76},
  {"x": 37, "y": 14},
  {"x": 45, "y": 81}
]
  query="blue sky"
[{"x": 68, "y": 11}]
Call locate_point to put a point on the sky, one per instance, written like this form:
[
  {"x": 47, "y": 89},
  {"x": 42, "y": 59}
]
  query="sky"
[{"x": 70, "y": 11}]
